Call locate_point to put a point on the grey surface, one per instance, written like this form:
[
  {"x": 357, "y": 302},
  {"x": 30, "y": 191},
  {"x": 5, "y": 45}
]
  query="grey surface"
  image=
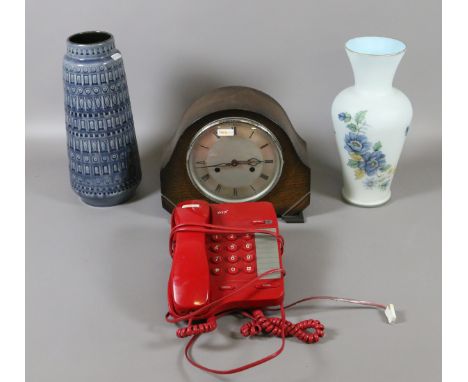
[{"x": 96, "y": 278}]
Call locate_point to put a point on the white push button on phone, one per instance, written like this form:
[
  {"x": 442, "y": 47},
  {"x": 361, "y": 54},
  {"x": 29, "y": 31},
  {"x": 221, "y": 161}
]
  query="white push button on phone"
[
  {"x": 233, "y": 258},
  {"x": 249, "y": 257},
  {"x": 216, "y": 271},
  {"x": 233, "y": 270}
]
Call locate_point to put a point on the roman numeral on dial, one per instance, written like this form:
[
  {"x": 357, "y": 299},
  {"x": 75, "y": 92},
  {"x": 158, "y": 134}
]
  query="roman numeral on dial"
[
  {"x": 218, "y": 188},
  {"x": 205, "y": 177},
  {"x": 264, "y": 176},
  {"x": 234, "y": 192}
]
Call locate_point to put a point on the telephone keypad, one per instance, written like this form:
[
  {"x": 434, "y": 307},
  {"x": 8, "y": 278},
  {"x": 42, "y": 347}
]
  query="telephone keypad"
[{"x": 232, "y": 254}]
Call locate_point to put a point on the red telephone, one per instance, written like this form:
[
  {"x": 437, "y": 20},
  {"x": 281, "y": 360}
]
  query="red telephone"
[
  {"x": 226, "y": 258},
  {"x": 215, "y": 260}
]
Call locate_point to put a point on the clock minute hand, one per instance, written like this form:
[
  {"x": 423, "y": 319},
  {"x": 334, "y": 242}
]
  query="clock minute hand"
[
  {"x": 235, "y": 162},
  {"x": 216, "y": 165}
]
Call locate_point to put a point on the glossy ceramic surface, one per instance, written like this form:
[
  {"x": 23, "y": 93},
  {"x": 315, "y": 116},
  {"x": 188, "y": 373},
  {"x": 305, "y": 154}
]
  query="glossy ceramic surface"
[{"x": 102, "y": 148}]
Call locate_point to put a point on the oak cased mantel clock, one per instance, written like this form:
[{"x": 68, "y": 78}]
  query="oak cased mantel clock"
[{"x": 236, "y": 144}]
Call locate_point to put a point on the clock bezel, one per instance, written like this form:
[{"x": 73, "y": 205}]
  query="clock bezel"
[{"x": 233, "y": 119}]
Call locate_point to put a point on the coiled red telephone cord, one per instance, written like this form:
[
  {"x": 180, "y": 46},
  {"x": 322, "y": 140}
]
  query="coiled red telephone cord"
[
  {"x": 195, "y": 329},
  {"x": 273, "y": 326}
]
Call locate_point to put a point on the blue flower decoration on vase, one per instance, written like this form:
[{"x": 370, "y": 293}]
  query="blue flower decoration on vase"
[
  {"x": 370, "y": 183},
  {"x": 365, "y": 158},
  {"x": 346, "y": 117},
  {"x": 356, "y": 143},
  {"x": 372, "y": 162}
]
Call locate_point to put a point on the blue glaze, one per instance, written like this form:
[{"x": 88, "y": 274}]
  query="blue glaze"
[
  {"x": 378, "y": 46},
  {"x": 103, "y": 154}
]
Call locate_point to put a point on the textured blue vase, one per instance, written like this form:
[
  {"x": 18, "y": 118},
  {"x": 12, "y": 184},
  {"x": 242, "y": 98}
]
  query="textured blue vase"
[{"x": 102, "y": 148}]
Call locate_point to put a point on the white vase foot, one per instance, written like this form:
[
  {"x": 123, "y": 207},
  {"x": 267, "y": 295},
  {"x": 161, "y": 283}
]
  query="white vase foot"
[{"x": 364, "y": 204}]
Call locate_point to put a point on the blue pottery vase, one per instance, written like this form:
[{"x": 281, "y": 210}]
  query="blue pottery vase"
[{"x": 102, "y": 149}]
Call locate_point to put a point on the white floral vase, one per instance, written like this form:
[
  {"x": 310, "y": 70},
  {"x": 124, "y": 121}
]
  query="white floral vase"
[{"x": 371, "y": 120}]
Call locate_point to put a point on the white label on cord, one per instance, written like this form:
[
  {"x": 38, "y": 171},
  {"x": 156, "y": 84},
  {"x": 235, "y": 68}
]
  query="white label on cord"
[
  {"x": 116, "y": 56},
  {"x": 390, "y": 313}
]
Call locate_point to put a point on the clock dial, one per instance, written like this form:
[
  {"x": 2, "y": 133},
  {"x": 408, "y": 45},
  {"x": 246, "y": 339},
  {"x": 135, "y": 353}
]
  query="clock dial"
[{"x": 234, "y": 160}]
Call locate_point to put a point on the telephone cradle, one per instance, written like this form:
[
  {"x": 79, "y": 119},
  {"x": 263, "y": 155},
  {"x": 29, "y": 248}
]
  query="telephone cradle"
[{"x": 227, "y": 258}]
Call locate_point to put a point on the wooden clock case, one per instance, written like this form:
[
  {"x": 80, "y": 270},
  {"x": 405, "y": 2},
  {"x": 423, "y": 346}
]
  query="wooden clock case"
[{"x": 290, "y": 196}]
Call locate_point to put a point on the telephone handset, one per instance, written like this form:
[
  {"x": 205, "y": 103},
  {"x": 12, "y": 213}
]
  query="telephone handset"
[
  {"x": 189, "y": 280},
  {"x": 218, "y": 252}
]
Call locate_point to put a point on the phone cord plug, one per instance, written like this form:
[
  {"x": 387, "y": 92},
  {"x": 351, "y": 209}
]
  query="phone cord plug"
[
  {"x": 273, "y": 326},
  {"x": 195, "y": 329}
]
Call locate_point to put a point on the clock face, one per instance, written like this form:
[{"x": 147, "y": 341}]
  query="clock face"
[{"x": 234, "y": 160}]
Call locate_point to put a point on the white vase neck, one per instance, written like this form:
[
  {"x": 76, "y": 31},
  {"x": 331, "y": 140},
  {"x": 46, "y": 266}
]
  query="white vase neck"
[{"x": 374, "y": 73}]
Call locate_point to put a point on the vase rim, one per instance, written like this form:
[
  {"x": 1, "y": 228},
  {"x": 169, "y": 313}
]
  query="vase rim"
[
  {"x": 375, "y": 46},
  {"x": 90, "y": 38}
]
